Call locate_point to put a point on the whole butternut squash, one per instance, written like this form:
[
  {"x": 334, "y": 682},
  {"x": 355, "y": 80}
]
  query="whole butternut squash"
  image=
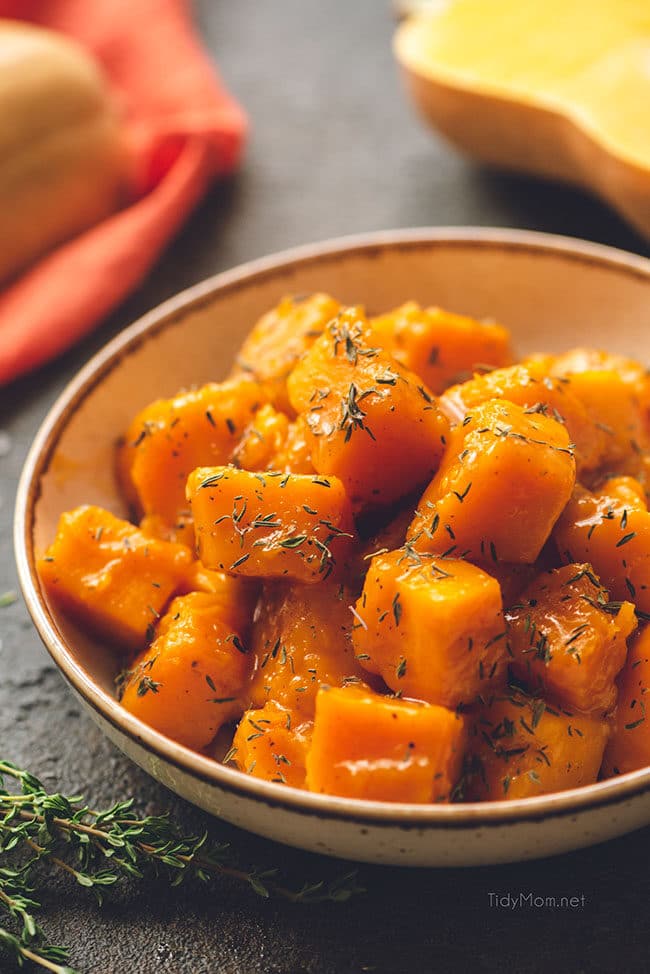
[{"x": 64, "y": 163}]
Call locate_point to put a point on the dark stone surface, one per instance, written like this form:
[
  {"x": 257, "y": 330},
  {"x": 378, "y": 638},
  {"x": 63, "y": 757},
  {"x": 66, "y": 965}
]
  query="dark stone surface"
[{"x": 334, "y": 149}]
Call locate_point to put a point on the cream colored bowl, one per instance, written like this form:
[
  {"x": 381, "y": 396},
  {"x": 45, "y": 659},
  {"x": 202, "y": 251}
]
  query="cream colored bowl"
[{"x": 551, "y": 291}]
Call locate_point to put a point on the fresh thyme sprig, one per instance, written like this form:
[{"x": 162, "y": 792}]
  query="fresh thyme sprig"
[{"x": 98, "y": 849}]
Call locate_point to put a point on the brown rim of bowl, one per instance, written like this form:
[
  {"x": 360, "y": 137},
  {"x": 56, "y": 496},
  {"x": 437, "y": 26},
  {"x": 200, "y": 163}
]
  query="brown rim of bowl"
[{"x": 404, "y": 815}]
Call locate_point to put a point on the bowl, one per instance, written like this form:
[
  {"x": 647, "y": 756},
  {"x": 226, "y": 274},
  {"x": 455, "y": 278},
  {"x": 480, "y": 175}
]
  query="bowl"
[{"x": 551, "y": 291}]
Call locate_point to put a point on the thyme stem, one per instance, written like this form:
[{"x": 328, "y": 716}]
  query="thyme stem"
[{"x": 98, "y": 849}]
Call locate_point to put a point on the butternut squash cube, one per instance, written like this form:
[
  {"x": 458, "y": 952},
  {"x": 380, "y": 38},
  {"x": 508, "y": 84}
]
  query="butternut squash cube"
[
  {"x": 439, "y": 346},
  {"x": 272, "y": 442},
  {"x": 505, "y": 478},
  {"x": 236, "y": 594},
  {"x": 371, "y": 423},
  {"x": 521, "y": 747},
  {"x": 270, "y": 525},
  {"x": 532, "y": 387},
  {"x": 384, "y": 749},
  {"x": 190, "y": 681},
  {"x": 261, "y": 440},
  {"x": 180, "y": 532},
  {"x": 431, "y": 627},
  {"x": 272, "y": 744},
  {"x": 294, "y": 455},
  {"x": 611, "y": 531},
  {"x": 629, "y": 745},
  {"x": 616, "y": 393},
  {"x": 302, "y": 638},
  {"x": 110, "y": 576},
  {"x": 279, "y": 340},
  {"x": 171, "y": 437},
  {"x": 566, "y": 643}
]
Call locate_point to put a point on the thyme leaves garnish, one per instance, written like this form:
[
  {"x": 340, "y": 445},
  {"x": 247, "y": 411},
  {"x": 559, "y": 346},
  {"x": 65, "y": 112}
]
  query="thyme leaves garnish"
[{"x": 98, "y": 850}]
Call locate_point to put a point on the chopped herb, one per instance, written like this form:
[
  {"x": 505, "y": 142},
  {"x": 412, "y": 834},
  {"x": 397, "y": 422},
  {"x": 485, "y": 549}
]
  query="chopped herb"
[
  {"x": 240, "y": 561},
  {"x": 625, "y": 539},
  {"x": 145, "y": 685},
  {"x": 293, "y": 542}
]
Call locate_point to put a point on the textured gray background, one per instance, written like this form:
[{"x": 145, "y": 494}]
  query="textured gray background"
[{"x": 334, "y": 149}]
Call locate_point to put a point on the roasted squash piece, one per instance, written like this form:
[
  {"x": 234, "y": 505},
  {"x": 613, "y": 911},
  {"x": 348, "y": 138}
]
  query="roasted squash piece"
[
  {"x": 505, "y": 478},
  {"x": 236, "y": 594},
  {"x": 532, "y": 387},
  {"x": 611, "y": 531},
  {"x": 616, "y": 393},
  {"x": 431, "y": 627},
  {"x": 180, "y": 532},
  {"x": 272, "y": 743},
  {"x": 191, "y": 679},
  {"x": 171, "y": 437},
  {"x": 261, "y": 440},
  {"x": 521, "y": 747},
  {"x": 270, "y": 525},
  {"x": 371, "y": 423},
  {"x": 564, "y": 641},
  {"x": 302, "y": 639},
  {"x": 272, "y": 442},
  {"x": 280, "y": 338},
  {"x": 110, "y": 576},
  {"x": 439, "y": 346},
  {"x": 629, "y": 745},
  {"x": 382, "y": 748},
  {"x": 294, "y": 454}
]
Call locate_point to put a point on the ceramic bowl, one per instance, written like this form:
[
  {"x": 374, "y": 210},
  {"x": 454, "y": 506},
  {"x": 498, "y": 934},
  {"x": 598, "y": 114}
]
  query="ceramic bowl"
[{"x": 552, "y": 292}]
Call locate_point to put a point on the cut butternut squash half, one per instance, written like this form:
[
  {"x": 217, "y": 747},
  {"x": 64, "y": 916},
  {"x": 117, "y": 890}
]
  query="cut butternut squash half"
[{"x": 557, "y": 89}]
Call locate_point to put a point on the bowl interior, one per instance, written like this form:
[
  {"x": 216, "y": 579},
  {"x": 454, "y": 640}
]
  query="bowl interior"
[{"x": 552, "y": 294}]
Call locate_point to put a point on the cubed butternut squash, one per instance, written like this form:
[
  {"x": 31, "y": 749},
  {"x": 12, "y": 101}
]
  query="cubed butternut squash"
[
  {"x": 432, "y": 628},
  {"x": 171, "y": 437},
  {"x": 371, "y": 423},
  {"x": 439, "y": 346},
  {"x": 272, "y": 442},
  {"x": 616, "y": 393},
  {"x": 628, "y": 747},
  {"x": 191, "y": 679},
  {"x": 180, "y": 532},
  {"x": 521, "y": 747},
  {"x": 261, "y": 440},
  {"x": 302, "y": 639},
  {"x": 270, "y": 525},
  {"x": 565, "y": 641},
  {"x": 294, "y": 455},
  {"x": 110, "y": 576},
  {"x": 532, "y": 387},
  {"x": 280, "y": 338},
  {"x": 611, "y": 531},
  {"x": 272, "y": 743},
  {"x": 379, "y": 748},
  {"x": 505, "y": 479},
  {"x": 236, "y": 594}
]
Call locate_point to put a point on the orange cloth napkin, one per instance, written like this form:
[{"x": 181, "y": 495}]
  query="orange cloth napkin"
[{"x": 184, "y": 129}]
